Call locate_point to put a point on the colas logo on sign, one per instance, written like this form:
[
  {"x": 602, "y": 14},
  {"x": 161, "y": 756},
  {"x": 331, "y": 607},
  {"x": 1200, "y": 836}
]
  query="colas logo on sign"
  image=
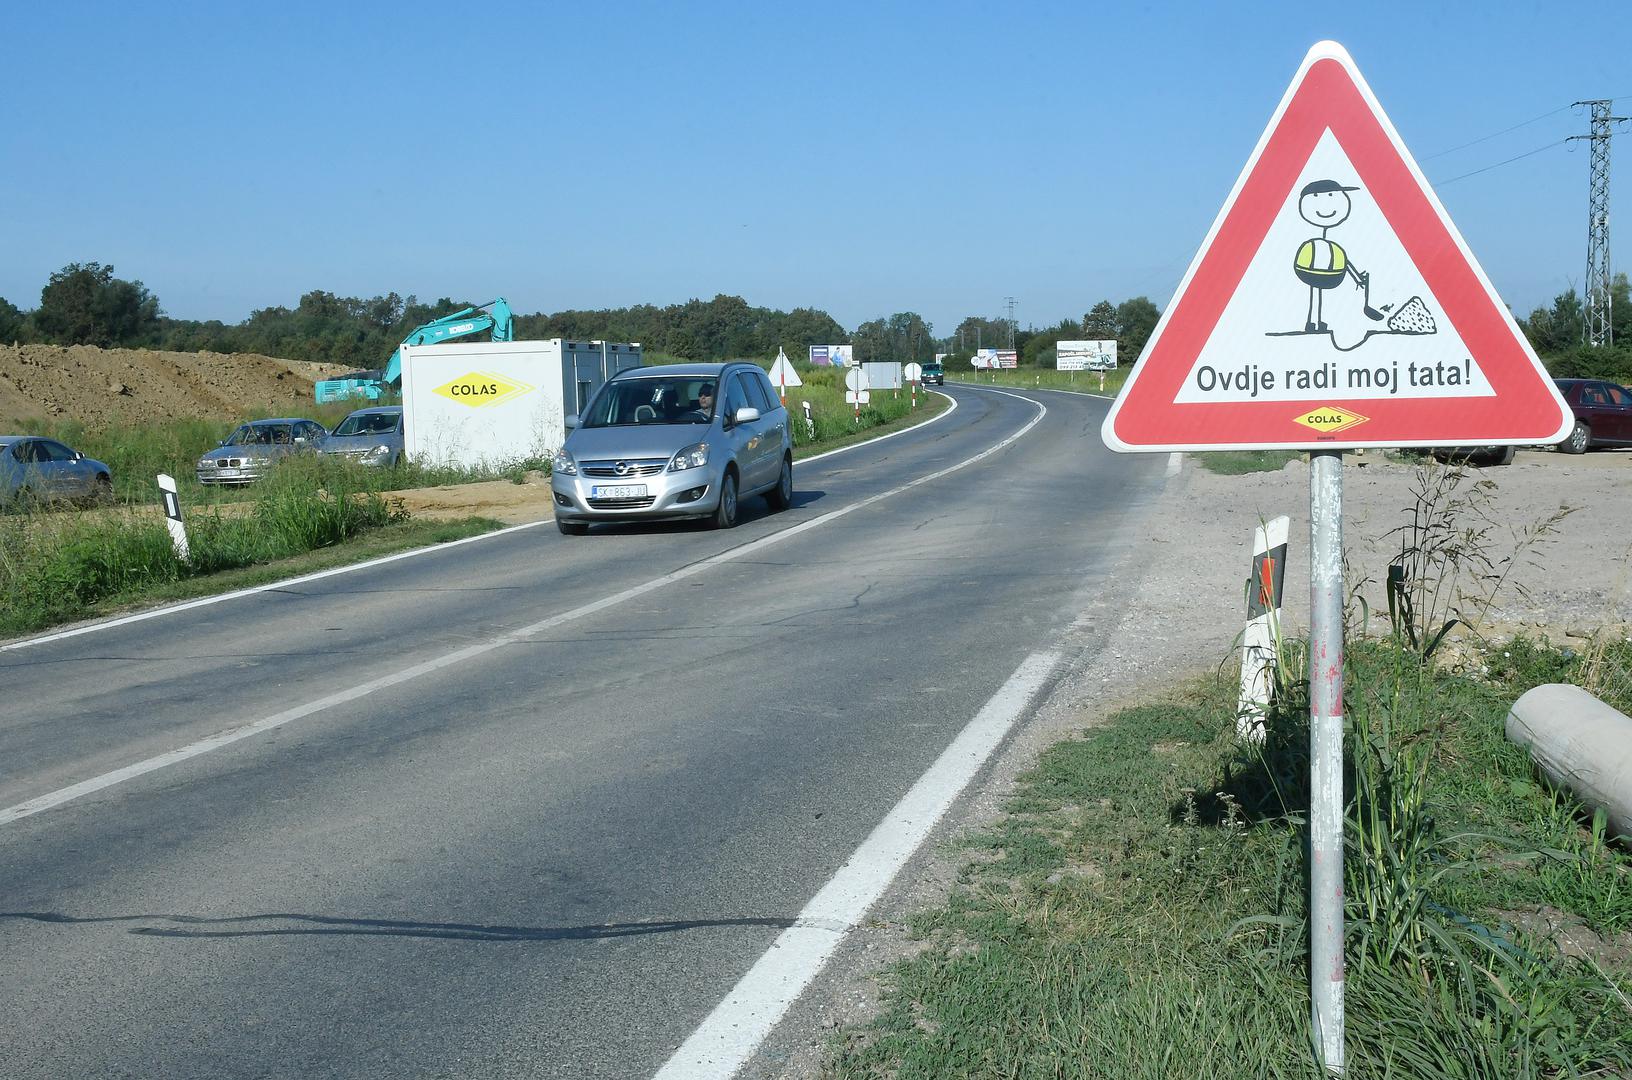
[
  {"x": 1329, "y": 419},
  {"x": 482, "y": 388}
]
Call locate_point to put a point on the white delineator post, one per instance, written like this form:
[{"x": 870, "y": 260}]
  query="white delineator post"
[
  {"x": 172, "y": 515},
  {"x": 1258, "y": 658},
  {"x": 810, "y": 422},
  {"x": 1326, "y": 754}
]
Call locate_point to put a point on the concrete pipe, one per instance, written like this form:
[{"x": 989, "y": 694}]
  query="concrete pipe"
[{"x": 1581, "y": 745}]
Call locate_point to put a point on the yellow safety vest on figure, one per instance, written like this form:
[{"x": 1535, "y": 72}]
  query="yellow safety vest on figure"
[{"x": 1321, "y": 263}]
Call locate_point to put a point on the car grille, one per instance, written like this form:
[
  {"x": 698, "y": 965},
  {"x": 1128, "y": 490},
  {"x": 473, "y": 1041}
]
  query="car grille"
[
  {"x": 229, "y": 463},
  {"x": 642, "y": 467},
  {"x": 639, "y": 503}
]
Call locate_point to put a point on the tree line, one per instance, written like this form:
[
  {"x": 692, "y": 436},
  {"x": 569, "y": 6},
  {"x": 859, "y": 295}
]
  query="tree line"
[{"x": 85, "y": 303}]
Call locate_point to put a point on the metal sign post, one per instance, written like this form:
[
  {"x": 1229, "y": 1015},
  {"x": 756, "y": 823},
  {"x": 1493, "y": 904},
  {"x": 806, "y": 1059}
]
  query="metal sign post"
[{"x": 1326, "y": 754}]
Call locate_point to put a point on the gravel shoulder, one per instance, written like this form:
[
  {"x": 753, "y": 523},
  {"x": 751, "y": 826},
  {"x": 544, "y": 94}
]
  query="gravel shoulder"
[{"x": 1175, "y": 613}]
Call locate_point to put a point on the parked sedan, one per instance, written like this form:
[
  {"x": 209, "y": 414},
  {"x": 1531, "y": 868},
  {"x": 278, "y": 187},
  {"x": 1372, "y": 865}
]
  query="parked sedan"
[
  {"x": 33, "y": 469},
  {"x": 368, "y": 437},
  {"x": 1603, "y": 414},
  {"x": 250, "y": 452},
  {"x": 675, "y": 441}
]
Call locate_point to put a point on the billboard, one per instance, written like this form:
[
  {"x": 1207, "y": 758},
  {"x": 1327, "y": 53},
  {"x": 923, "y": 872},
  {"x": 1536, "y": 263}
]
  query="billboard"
[
  {"x": 882, "y": 375},
  {"x": 1085, "y": 355},
  {"x": 985, "y": 359},
  {"x": 831, "y": 355}
]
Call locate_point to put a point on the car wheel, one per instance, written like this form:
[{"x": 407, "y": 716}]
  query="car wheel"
[
  {"x": 101, "y": 490},
  {"x": 781, "y": 496},
  {"x": 571, "y": 528},
  {"x": 1580, "y": 438},
  {"x": 725, "y": 515}
]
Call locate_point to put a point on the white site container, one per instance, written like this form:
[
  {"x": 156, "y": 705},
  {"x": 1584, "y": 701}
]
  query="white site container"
[{"x": 490, "y": 404}]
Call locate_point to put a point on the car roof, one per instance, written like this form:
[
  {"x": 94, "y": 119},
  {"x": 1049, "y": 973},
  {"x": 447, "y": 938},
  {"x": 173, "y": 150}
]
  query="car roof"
[
  {"x": 376, "y": 410},
  {"x": 277, "y": 420},
  {"x": 683, "y": 370}
]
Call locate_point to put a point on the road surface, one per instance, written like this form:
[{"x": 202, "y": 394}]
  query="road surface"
[{"x": 532, "y": 805}]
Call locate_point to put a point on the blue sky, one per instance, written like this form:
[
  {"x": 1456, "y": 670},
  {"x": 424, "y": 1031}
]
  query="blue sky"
[{"x": 861, "y": 158}]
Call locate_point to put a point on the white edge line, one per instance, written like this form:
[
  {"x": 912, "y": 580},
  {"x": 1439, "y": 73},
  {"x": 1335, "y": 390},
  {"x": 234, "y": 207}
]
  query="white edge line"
[
  {"x": 220, "y": 598},
  {"x": 232, "y": 735},
  {"x": 733, "y": 1031}
]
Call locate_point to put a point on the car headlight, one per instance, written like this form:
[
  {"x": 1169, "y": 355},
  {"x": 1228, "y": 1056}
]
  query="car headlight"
[
  {"x": 377, "y": 453},
  {"x": 692, "y": 457},
  {"x": 562, "y": 464}
]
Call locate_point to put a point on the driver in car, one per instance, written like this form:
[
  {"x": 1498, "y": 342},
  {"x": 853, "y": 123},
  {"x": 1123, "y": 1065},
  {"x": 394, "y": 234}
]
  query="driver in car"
[{"x": 705, "y": 402}]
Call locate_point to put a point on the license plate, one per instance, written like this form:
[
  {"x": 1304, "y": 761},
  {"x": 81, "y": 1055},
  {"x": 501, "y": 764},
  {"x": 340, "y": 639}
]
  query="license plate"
[
  {"x": 618, "y": 491},
  {"x": 226, "y": 472}
]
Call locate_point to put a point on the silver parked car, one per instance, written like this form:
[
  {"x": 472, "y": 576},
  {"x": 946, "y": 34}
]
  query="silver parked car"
[
  {"x": 248, "y": 453},
  {"x": 35, "y": 469},
  {"x": 370, "y": 436},
  {"x": 676, "y": 441}
]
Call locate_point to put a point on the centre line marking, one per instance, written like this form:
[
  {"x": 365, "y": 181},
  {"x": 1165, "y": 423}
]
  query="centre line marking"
[
  {"x": 731, "y": 1034},
  {"x": 414, "y": 671}
]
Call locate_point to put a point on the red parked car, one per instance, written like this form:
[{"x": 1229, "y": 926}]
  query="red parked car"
[{"x": 1603, "y": 414}]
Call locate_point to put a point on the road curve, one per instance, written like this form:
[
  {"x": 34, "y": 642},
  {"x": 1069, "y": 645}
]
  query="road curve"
[{"x": 590, "y": 782}]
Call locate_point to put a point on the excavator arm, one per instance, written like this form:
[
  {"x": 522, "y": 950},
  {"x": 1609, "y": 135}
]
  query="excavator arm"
[{"x": 494, "y": 315}]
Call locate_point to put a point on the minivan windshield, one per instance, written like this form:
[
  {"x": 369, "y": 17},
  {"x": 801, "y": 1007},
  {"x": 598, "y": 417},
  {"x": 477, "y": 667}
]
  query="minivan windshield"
[
  {"x": 671, "y": 399},
  {"x": 368, "y": 424}
]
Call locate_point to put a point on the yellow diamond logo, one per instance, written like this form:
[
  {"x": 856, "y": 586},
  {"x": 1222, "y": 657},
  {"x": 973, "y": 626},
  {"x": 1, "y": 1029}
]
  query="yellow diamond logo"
[
  {"x": 481, "y": 388},
  {"x": 1329, "y": 420}
]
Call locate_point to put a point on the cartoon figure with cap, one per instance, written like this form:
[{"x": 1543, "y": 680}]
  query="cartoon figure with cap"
[{"x": 1322, "y": 264}]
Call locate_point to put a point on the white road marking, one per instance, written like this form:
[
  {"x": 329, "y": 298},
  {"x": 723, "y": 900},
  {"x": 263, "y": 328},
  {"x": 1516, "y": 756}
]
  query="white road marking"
[
  {"x": 232, "y": 735},
  {"x": 730, "y": 1034},
  {"x": 205, "y": 601},
  {"x": 1175, "y": 461}
]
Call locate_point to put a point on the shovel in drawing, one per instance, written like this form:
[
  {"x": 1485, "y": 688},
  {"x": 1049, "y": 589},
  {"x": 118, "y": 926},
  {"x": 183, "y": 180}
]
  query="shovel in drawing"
[{"x": 1364, "y": 277}]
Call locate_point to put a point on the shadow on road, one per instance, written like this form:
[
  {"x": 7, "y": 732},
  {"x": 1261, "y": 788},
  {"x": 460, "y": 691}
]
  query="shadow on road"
[{"x": 193, "y": 926}]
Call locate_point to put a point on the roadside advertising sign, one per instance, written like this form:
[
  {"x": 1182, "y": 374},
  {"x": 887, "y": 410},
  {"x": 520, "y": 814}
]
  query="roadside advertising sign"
[
  {"x": 831, "y": 355},
  {"x": 1334, "y": 304},
  {"x": 1085, "y": 355},
  {"x": 882, "y": 374}
]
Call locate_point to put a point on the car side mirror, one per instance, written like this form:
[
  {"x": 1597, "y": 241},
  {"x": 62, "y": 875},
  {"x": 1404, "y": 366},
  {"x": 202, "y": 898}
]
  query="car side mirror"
[
  {"x": 571, "y": 421},
  {"x": 79, "y": 455},
  {"x": 745, "y": 415}
]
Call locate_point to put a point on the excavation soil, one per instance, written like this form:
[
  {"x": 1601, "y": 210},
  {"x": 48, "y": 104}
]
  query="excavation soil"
[{"x": 104, "y": 388}]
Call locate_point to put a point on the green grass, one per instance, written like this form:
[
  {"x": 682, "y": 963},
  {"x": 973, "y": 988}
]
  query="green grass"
[
  {"x": 1236, "y": 462},
  {"x": 57, "y": 567},
  {"x": 1083, "y": 382},
  {"x": 1140, "y": 911}
]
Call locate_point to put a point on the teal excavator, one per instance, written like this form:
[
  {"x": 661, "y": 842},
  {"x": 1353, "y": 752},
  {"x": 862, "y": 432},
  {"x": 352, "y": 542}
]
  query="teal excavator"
[{"x": 373, "y": 385}]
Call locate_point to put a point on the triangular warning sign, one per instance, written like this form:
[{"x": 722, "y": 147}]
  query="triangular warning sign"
[{"x": 1334, "y": 304}]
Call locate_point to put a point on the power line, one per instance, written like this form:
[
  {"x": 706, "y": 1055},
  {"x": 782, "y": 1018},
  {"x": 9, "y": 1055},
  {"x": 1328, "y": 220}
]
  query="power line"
[
  {"x": 1504, "y": 131},
  {"x": 1499, "y": 164}
]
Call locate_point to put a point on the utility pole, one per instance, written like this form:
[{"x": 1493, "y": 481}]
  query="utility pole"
[
  {"x": 1597, "y": 285},
  {"x": 1010, "y": 301}
]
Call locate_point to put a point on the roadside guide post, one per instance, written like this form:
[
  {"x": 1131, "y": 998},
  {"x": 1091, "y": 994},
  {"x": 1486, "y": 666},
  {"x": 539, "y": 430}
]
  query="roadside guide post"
[
  {"x": 810, "y": 422},
  {"x": 1273, "y": 342},
  {"x": 1258, "y": 656},
  {"x": 172, "y": 516}
]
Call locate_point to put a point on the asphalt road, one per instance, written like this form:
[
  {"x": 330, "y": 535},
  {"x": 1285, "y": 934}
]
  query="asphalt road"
[{"x": 556, "y": 830}]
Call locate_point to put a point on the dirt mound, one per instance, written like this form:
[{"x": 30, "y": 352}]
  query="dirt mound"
[{"x": 102, "y": 388}]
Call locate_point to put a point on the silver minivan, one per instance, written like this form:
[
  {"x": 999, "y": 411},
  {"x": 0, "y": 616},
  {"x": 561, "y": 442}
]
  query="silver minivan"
[{"x": 674, "y": 441}]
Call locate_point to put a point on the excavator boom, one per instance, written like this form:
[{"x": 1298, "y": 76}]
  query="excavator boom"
[{"x": 495, "y": 315}]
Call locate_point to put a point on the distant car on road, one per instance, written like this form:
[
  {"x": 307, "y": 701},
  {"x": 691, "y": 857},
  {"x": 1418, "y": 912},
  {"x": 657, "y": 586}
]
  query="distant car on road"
[
  {"x": 250, "y": 452},
  {"x": 1603, "y": 414},
  {"x": 370, "y": 436},
  {"x": 674, "y": 441},
  {"x": 934, "y": 374},
  {"x": 33, "y": 469}
]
